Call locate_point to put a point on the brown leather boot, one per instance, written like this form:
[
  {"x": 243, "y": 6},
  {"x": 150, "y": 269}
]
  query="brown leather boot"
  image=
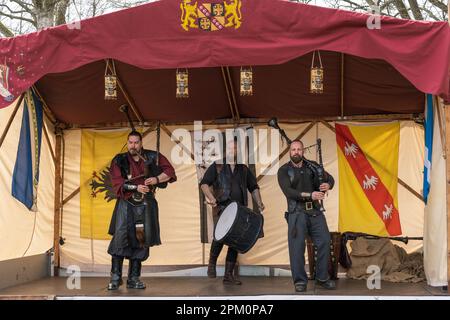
[
  {"x": 228, "y": 277},
  {"x": 212, "y": 266}
]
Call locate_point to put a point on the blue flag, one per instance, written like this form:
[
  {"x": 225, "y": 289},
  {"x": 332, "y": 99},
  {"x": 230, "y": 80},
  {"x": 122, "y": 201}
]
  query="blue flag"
[
  {"x": 429, "y": 124},
  {"x": 25, "y": 178}
]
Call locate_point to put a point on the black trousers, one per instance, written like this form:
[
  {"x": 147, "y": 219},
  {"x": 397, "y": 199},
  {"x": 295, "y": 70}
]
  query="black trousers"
[
  {"x": 300, "y": 224},
  {"x": 133, "y": 251},
  {"x": 216, "y": 248}
]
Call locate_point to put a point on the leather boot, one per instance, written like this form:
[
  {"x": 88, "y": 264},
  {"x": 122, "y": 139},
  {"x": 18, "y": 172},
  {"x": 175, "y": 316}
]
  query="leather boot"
[
  {"x": 212, "y": 266},
  {"x": 116, "y": 273},
  {"x": 328, "y": 284},
  {"x": 134, "y": 272},
  {"x": 228, "y": 277},
  {"x": 236, "y": 271}
]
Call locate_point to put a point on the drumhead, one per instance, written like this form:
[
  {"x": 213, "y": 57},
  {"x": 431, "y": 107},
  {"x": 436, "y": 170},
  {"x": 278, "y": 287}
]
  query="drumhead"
[{"x": 226, "y": 221}]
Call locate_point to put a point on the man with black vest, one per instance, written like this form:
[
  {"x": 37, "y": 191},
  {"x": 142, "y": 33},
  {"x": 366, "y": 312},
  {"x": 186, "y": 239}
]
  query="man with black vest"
[
  {"x": 230, "y": 181},
  {"x": 135, "y": 175},
  {"x": 299, "y": 181}
]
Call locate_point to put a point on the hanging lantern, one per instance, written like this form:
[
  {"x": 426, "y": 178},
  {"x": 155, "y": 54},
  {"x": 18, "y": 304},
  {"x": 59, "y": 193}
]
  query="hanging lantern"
[
  {"x": 182, "y": 84},
  {"x": 110, "y": 82},
  {"x": 246, "y": 81},
  {"x": 316, "y": 84}
]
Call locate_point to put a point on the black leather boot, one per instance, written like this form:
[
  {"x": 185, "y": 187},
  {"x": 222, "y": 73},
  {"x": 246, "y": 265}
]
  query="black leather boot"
[
  {"x": 134, "y": 272},
  {"x": 212, "y": 266},
  {"x": 116, "y": 273},
  {"x": 328, "y": 284},
  {"x": 228, "y": 277}
]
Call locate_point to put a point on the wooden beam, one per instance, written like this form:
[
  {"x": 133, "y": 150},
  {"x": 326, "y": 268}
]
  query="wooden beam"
[
  {"x": 410, "y": 189},
  {"x": 71, "y": 196},
  {"x": 254, "y": 121},
  {"x": 178, "y": 142},
  {"x": 286, "y": 150},
  {"x": 447, "y": 163},
  {"x": 47, "y": 111},
  {"x": 47, "y": 138},
  {"x": 233, "y": 95},
  {"x": 11, "y": 118},
  {"x": 400, "y": 181},
  {"x": 227, "y": 89},
  {"x": 125, "y": 93},
  {"x": 57, "y": 200}
]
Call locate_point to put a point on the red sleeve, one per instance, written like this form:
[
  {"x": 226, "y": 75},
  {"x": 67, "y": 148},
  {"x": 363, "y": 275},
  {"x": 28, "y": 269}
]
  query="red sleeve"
[
  {"x": 116, "y": 180},
  {"x": 167, "y": 168}
]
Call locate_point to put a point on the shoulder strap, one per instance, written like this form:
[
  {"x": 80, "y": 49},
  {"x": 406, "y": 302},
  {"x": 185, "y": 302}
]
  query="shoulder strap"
[
  {"x": 219, "y": 167},
  {"x": 291, "y": 174}
]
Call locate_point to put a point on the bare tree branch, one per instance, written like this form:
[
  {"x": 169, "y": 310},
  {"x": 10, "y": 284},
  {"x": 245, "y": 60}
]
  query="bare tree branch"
[
  {"x": 5, "y": 31},
  {"x": 16, "y": 17},
  {"x": 401, "y": 7},
  {"x": 417, "y": 14},
  {"x": 440, "y": 4}
]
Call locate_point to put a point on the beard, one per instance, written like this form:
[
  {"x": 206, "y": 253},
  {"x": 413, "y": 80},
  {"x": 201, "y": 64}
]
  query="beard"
[{"x": 296, "y": 159}]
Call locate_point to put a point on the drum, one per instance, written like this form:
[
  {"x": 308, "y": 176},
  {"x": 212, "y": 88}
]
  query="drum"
[{"x": 238, "y": 227}]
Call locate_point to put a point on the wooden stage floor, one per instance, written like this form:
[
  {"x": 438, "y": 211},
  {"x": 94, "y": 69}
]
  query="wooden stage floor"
[{"x": 195, "y": 287}]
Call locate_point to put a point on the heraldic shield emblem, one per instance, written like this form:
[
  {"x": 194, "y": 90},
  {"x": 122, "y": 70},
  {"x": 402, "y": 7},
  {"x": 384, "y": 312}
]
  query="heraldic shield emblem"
[{"x": 210, "y": 16}]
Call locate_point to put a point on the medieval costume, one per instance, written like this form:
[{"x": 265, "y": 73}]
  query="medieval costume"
[
  {"x": 228, "y": 186},
  {"x": 304, "y": 216},
  {"x": 134, "y": 224}
]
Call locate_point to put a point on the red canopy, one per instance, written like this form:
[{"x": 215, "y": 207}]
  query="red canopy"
[{"x": 67, "y": 62}]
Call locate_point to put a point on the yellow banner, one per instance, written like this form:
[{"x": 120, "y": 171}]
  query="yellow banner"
[
  {"x": 368, "y": 178},
  {"x": 97, "y": 150}
]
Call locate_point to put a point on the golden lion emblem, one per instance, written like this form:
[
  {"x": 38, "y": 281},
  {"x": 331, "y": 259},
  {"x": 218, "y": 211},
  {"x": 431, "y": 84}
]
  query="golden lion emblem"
[{"x": 211, "y": 16}]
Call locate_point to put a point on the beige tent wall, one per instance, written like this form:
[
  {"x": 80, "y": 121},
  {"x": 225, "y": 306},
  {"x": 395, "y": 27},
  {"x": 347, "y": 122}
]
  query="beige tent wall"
[
  {"x": 179, "y": 206},
  {"x": 22, "y": 232}
]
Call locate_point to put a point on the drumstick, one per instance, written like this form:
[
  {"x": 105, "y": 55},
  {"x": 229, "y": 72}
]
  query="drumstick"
[{"x": 206, "y": 202}]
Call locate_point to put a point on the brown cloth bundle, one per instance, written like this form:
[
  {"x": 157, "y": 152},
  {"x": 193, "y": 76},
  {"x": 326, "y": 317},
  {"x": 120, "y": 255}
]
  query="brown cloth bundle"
[{"x": 395, "y": 264}]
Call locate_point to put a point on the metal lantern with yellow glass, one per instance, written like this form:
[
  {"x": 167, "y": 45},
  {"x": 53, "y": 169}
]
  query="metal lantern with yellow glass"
[
  {"x": 182, "y": 77},
  {"x": 316, "y": 82},
  {"x": 110, "y": 81},
  {"x": 246, "y": 83}
]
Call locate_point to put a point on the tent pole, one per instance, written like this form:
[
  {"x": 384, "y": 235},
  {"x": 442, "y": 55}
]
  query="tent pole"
[
  {"x": 227, "y": 89},
  {"x": 233, "y": 96},
  {"x": 286, "y": 150},
  {"x": 125, "y": 93},
  {"x": 447, "y": 164},
  {"x": 256, "y": 121},
  {"x": 47, "y": 138},
  {"x": 48, "y": 112},
  {"x": 57, "y": 200},
  {"x": 178, "y": 142},
  {"x": 11, "y": 118}
]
